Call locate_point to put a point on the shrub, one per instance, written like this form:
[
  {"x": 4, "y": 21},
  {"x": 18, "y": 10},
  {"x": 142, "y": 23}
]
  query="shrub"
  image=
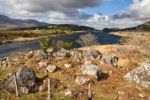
[
  {"x": 123, "y": 39},
  {"x": 87, "y": 40},
  {"x": 45, "y": 43},
  {"x": 63, "y": 44}
]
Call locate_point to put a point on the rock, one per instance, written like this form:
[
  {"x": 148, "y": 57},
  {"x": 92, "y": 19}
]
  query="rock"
[
  {"x": 110, "y": 60},
  {"x": 40, "y": 54},
  {"x": 42, "y": 88},
  {"x": 29, "y": 55},
  {"x": 140, "y": 75},
  {"x": 51, "y": 68},
  {"x": 68, "y": 92},
  {"x": 90, "y": 54},
  {"x": 87, "y": 62},
  {"x": 80, "y": 80},
  {"x": 49, "y": 50},
  {"x": 92, "y": 70},
  {"x": 141, "y": 95},
  {"x": 76, "y": 54},
  {"x": 5, "y": 62},
  {"x": 24, "y": 90},
  {"x": 121, "y": 93},
  {"x": 60, "y": 54},
  {"x": 68, "y": 65},
  {"x": 25, "y": 78},
  {"x": 42, "y": 64}
]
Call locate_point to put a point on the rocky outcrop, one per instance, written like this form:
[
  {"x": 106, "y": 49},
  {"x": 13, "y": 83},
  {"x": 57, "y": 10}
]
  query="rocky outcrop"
[
  {"x": 140, "y": 75},
  {"x": 26, "y": 80}
]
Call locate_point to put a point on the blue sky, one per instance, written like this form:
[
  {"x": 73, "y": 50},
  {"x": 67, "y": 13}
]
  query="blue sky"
[
  {"x": 110, "y": 7},
  {"x": 94, "y": 13}
]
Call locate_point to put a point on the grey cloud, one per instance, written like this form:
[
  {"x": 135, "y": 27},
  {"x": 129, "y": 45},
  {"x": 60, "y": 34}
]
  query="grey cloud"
[{"x": 42, "y": 6}]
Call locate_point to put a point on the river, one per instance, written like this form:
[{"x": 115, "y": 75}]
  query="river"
[{"x": 103, "y": 38}]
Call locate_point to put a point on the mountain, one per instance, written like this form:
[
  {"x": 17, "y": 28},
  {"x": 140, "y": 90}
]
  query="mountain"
[
  {"x": 143, "y": 27},
  {"x": 9, "y": 23}
]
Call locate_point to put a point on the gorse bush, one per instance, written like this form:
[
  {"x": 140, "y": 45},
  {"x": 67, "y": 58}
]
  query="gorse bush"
[
  {"x": 63, "y": 44},
  {"x": 45, "y": 43},
  {"x": 87, "y": 40}
]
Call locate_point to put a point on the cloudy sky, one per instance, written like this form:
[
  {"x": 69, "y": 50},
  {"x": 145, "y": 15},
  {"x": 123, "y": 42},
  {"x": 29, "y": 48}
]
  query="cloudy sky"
[{"x": 95, "y": 13}]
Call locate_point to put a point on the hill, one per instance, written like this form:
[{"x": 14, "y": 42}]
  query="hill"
[
  {"x": 143, "y": 27},
  {"x": 9, "y": 23}
]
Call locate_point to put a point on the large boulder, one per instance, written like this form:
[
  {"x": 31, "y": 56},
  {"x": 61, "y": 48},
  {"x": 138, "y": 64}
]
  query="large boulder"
[
  {"x": 91, "y": 70},
  {"x": 25, "y": 78},
  {"x": 140, "y": 75}
]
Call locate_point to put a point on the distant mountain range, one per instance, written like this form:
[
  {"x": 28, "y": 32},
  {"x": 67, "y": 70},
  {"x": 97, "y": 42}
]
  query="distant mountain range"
[
  {"x": 143, "y": 27},
  {"x": 9, "y": 23}
]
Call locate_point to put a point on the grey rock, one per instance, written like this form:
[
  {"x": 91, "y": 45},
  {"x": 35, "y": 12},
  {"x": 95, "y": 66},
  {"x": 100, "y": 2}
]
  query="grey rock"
[
  {"x": 25, "y": 78},
  {"x": 140, "y": 75},
  {"x": 60, "y": 54},
  {"x": 90, "y": 54},
  {"x": 24, "y": 90},
  {"x": 110, "y": 60},
  {"x": 92, "y": 70},
  {"x": 40, "y": 54}
]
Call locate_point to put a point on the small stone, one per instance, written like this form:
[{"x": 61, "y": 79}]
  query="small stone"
[
  {"x": 50, "y": 50},
  {"x": 87, "y": 62},
  {"x": 68, "y": 92},
  {"x": 68, "y": 65},
  {"x": 24, "y": 90},
  {"x": 80, "y": 80},
  {"x": 110, "y": 72},
  {"x": 120, "y": 92},
  {"x": 42, "y": 88},
  {"x": 51, "y": 68},
  {"x": 141, "y": 95},
  {"x": 42, "y": 64}
]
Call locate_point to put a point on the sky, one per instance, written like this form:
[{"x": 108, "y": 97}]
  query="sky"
[{"x": 94, "y": 13}]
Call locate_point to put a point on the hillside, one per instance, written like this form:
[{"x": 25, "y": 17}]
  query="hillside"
[
  {"x": 143, "y": 27},
  {"x": 9, "y": 23}
]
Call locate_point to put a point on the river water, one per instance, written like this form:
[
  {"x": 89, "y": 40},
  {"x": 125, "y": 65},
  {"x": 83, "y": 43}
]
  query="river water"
[{"x": 103, "y": 38}]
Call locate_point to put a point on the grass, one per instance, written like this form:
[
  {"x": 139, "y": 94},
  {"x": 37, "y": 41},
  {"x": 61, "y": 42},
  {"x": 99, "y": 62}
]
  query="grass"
[{"x": 11, "y": 35}]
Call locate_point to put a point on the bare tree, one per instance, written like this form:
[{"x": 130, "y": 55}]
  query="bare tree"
[{"x": 87, "y": 40}]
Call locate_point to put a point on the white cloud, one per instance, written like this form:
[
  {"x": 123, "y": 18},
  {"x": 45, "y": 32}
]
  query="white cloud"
[
  {"x": 71, "y": 12},
  {"x": 140, "y": 8}
]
